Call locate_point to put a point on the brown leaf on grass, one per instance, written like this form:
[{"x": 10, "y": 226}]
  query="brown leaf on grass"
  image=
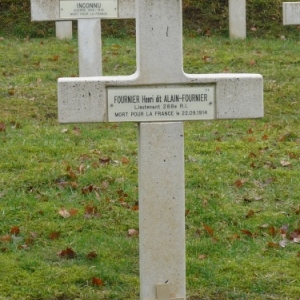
[
  {"x": 2, "y": 127},
  {"x": 104, "y": 184},
  {"x": 248, "y": 233},
  {"x": 265, "y": 137},
  {"x": 97, "y": 281},
  {"x": 73, "y": 185},
  {"x": 89, "y": 189},
  {"x": 76, "y": 130},
  {"x": 33, "y": 235},
  {"x": 135, "y": 207},
  {"x": 15, "y": 125},
  {"x": 15, "y": 230},
  {"x": 91, "y": 211},
  {"x": 202, "y": 256},
  {"x": 64, "y": 213},
  {"x": 292, "y": 155},
  {"x": 81, "y": 169},
  {"x": 270, "y": 165},
  {"x": 254, "y": 199},
  {"x": 234, "y": 237},
  {"x": 72, "y": 175},
  {"x": 92, "y": 255},
  {"x": 272, "y": 231},
  {"x": 283, "y": 230},
  {"x": 251, "y": 139},
  {"x": 252, "y": 63},
  {"x": 125, "y": 160},
  {"x": 67, "y": 253},
  {"x": 6, "y": 238},
  {"x": 133, "y": 232},
  {"x": 104, "y": 160},
  {"x": 240, "y": 182},
  {"x": 253, "y": 165},
  {"x": 250, "y": 131},
  {"x": 206, "y": 58},
  {"x": 272, "y": 245},
  {"x": 250, "y": 214},
  {"x": 23, "y": 247},
  {"x": 208, "y": 230},
  {"x": 121, "y": 193},
  {"x": 73, "y": 211},
  {"x": 55, "y": 58},
  {"x": 11, "y": 91},
  {"x": 285, "y": 163},
  {"x": 295, "y": 236},
  {"x": 54, "y": 235}
]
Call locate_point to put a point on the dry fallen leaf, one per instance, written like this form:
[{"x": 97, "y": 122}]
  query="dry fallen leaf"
[
  {"x": 285, "y": 163},
  {"x": 248, "y": 233},
  {"x": 15, "y": 230},
  {"x": 64, "y": 213},
  {"x": 54, "y": 235},
  {"x": 6, "y": 238},
  {"x": 97, "y": 281},
  {"x": 240, "y": 182},
  {"x": 133, "y": 232},
  {"x": 273, "y": 245},
  {"x": 208, "y": 230},
  {"x": 2, "y": 127},
  {"x": 92, "y": 255},
  {"x": 295, "y": 236},
  {"x": 125, "y": 160},
  {"x": 202, "y": 256},
  {"x": 67, "y": 253},
  {"x": 250, "y": 214}
]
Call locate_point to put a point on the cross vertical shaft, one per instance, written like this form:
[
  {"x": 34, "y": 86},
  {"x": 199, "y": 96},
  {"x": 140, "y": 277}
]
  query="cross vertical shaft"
[
  {"x": 161, "y": 153},
  {"x": 162, "y": 207},
  {"x": 159, "y": 41}
]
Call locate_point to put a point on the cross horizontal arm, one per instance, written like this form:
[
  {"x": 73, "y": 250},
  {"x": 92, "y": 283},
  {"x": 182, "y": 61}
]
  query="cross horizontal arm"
[
  {"x": 48, "y": 10},
  {"x": 85, "y": 99}
]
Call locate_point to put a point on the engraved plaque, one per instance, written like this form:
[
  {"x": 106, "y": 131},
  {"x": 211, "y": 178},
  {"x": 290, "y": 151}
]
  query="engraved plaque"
[
  {"x": 92, "y": 9},
  {"x": 161, "y": 103}
]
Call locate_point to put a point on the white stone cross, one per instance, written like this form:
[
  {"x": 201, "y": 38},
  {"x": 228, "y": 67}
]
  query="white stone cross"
[
  {"x": 237, "y": 19},
  {"x": 159, "y": 95},
  {"x": 291, "y": 13},
  {"x": 89, "y": 31}
]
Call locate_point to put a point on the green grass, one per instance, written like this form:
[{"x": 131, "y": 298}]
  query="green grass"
[{"x": 45, "y": 167}]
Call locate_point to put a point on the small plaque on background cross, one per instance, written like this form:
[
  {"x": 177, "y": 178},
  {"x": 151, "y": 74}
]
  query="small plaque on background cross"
[{"x": 92, "y": 9}]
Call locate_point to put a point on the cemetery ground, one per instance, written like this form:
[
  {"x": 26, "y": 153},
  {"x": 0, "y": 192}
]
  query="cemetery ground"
[{"x": 68, "y": 193}]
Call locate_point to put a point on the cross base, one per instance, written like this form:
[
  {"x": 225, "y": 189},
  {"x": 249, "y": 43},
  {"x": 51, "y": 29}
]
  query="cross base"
[{"x": 163, "y": 292}]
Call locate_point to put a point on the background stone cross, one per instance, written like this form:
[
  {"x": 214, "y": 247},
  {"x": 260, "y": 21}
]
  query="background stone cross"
[
  {"x": 89, "y": 32},
  {"x": 291, "y": 13},
  {"x": 161, "y": 144}
]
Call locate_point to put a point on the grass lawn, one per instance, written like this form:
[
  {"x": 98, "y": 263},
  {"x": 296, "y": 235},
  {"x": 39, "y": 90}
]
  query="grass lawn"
[{"x": 68, "y": 193}]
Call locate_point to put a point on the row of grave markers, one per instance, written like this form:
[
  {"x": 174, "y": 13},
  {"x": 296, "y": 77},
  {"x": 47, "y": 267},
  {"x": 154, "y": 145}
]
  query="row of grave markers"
[
  {"x": 159, "y": 96},
  {"x": 89, "y": 31},
  {"x": 237, "y": 19},
  {"x": 237, "y": 22}
]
